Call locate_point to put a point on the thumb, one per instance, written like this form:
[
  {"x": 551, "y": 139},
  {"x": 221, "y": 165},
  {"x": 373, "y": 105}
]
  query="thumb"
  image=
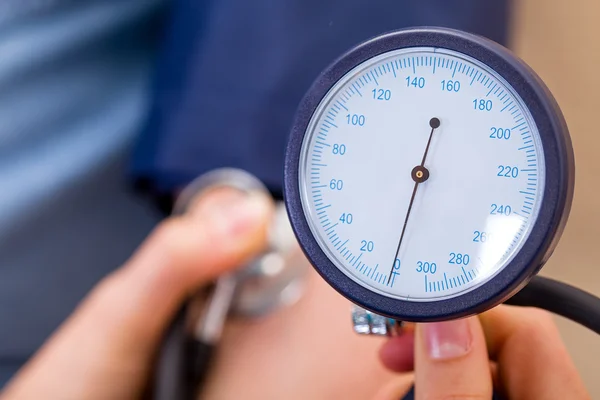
[
  {"x": 220, "y": 231},
  {"x": 105, "y": 348},
  {"x": 451, "y": 361}
]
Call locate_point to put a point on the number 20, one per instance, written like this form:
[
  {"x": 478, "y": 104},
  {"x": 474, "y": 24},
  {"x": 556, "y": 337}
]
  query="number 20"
[{"x": 366, "y": 246}]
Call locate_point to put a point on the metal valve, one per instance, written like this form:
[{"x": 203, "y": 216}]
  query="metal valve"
[{"x": 366, "y": 322}]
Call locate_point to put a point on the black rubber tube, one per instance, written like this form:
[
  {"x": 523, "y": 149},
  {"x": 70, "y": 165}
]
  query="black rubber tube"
[
  {"x": 562, "y": 299},
  {"x": 182, "y": 363}
]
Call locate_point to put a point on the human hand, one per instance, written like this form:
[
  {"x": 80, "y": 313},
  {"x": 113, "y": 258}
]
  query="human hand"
[
  {"x": 307, "y": 351},
  {"x": 105, "y": 349},
  {"x": 516, "y": 351}
]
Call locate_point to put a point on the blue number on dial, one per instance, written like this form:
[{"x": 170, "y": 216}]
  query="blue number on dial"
[
  {"x": 415, "y": 81},
  {"x": 507, "y": 171},
  {"x": 500, "y": 133},
  {"x": 367, "y": 246},
  {"x": 482, "y": 105},
  {"x": 450, "y": 86},
  {"x": 355, "y": 119},
  {"x": 481, "y": 236},
  {"x": 346, "y": 218},
  {"x": 336, "y": 184},
  {"x": 426, "y": 267},
  {"x": 499, "y": 209},
  {"x": 339, "y": 149},
  {"x": 381, "y": 94},
  {"x": 459, "y": 258}
]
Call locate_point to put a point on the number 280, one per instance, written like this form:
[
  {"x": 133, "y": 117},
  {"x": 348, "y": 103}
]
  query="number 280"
[{"x": 459, "y": 258}]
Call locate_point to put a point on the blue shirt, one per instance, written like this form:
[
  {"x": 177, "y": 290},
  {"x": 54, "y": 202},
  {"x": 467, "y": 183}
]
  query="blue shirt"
[{"x": 232, "y": 73}]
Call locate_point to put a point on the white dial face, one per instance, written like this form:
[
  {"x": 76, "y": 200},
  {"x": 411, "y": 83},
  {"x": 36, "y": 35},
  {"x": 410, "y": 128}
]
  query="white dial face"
[{"x": 421, "y": 174}]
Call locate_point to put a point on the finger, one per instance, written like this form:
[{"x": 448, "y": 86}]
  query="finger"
[
  {"x": 451, "y": 361},
  {"x": 219, "y": 233},
  {"x": 397, "y": 354},
  {"x": 106, "y": 346},
  {"x": 397, "y": 389},
  {"x": 532, "y": 359}
]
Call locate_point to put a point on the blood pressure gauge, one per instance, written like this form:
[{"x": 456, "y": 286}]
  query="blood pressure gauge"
[{"x": 429, "y": 174}]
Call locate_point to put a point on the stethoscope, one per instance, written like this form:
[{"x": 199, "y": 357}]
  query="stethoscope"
[
  {"x": 428, "y": 176},
  {"x": 273, "y": 280}
]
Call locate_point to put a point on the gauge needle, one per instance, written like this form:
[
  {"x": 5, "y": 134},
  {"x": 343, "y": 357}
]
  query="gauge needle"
[{"x": 419, "y": 174}]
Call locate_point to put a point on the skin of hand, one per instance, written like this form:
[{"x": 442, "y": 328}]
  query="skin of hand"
[
  {"x": 306, "y": 351},
  {"x": 517, "y": 351},
  {"x": 106, "y": 347},
  {"x": 105, "y": 350}
]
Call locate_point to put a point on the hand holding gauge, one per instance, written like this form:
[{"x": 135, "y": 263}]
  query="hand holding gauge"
[{"x": 472, "y": 241}]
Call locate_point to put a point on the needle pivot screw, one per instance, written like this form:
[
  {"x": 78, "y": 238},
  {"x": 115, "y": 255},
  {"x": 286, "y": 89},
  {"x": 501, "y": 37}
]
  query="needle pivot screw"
[{"x": 419, "y": 174}]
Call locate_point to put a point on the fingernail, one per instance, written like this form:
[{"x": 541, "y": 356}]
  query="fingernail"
[
  {"x": 449, "y": 339},
  {"x": 238, "y": 215}
]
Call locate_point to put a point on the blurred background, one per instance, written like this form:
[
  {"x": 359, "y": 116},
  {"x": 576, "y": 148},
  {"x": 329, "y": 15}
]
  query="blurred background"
[
  {"x": 99, "y": 98},
  {"x": 559, "y": 40}
]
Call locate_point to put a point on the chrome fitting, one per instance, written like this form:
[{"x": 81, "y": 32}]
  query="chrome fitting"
[{"x": 368, "y": 323}]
